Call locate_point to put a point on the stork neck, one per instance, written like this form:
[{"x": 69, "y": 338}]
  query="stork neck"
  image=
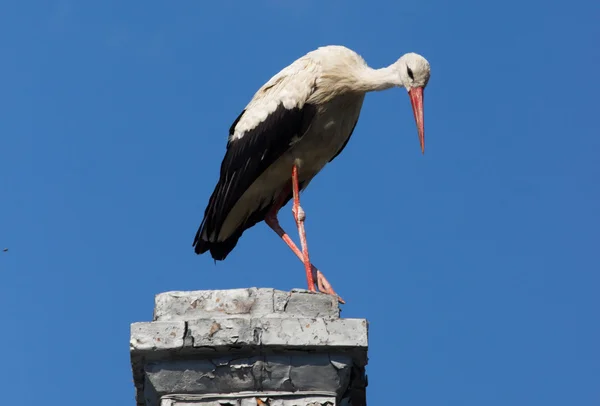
[{"x": 380, "y": 79}]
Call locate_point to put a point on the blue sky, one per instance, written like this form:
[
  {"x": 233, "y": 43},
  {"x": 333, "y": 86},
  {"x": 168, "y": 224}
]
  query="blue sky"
[{"x": 475, "y": 264}]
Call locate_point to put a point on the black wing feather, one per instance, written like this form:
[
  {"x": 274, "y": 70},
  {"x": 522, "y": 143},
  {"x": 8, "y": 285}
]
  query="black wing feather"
[
  {"x": 245, "y": 160},
  {"x": 345, "y": 143}
]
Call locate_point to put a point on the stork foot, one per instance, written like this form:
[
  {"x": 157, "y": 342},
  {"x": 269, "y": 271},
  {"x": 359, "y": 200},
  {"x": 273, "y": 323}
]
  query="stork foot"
[{"x": 324, "y": 285}]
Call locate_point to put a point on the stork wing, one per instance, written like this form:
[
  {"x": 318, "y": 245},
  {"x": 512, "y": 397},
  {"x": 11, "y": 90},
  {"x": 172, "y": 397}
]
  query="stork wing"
[{"x": 276, "y": 117}]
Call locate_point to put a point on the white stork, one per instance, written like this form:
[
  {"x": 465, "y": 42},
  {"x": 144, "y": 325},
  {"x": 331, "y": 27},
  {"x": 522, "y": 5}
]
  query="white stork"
[{"x": 296, "y": 123}]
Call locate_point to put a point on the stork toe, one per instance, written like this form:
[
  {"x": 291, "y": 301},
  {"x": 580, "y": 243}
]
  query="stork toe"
[{"x": 325, "y": 287}]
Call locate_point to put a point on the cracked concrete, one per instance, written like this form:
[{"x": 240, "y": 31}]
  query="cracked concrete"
[
  {"x": 243, "y": 341},
  {"x": 259, "y": 373},
  {"x": 243, "y": 303},
  {"x": 251, "y": 399}
]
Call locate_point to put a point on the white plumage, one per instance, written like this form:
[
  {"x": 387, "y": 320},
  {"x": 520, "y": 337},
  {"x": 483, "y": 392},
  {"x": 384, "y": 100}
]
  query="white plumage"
[{"x": 300, "y": 119}]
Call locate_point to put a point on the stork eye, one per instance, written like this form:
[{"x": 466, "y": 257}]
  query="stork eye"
[{"x": 410, "y": 73}]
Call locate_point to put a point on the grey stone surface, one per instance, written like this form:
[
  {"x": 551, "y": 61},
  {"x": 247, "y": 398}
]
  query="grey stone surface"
[
  {"x": 252, "y": 399},
  {"x": 224, "y": 334},
  {"x": 306, "y": 372},
  {"x": 239, "y": 341},
  {"x": 291, "y": 332},
  {"x": 157, "y": 336},
  {"x": 243, "y": 303}
]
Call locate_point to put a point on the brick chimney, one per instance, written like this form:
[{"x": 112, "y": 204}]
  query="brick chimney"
[{"x": 249, "y": 347}]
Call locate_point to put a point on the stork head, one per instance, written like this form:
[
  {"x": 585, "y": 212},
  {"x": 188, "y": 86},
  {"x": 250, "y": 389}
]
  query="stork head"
[{"x": 414, "y": 72}]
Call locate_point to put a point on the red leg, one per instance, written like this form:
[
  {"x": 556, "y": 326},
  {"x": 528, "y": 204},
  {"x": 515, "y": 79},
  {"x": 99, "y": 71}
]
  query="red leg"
[
  {"x": 299, "y": 216},
  {"x": 272, "y": 221}
]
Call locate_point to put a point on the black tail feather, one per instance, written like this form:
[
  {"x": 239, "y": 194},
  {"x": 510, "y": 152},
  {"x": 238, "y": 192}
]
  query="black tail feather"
[{"x": 220, "y": 249}]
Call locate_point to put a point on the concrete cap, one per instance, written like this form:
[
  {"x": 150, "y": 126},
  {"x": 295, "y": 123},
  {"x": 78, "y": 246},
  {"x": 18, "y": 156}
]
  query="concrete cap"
[{"x": 243, "y": 303}]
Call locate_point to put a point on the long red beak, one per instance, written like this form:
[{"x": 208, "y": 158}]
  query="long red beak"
[{"x": 416, "y": 99}]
